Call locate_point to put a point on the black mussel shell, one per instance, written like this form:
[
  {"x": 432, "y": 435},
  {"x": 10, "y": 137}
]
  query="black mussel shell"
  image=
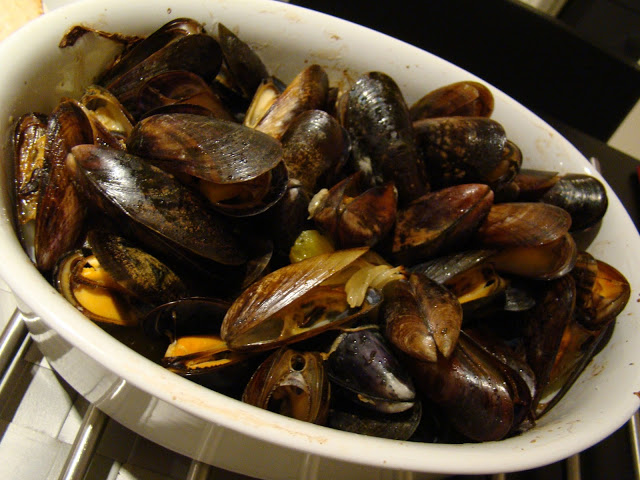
[{"x": 362, "y": 365}]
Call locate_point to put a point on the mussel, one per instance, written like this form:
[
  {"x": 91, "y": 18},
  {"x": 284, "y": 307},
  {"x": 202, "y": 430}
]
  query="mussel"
[{"x": 322, "y": 251}]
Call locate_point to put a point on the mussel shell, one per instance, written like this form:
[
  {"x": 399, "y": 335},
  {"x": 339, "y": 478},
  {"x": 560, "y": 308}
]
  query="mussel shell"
[
  {"x": 547, "y": 261},
  {"x": 523, "y": 224},
  {"x": 458, "y": 150},
  {"x": 377, "y": 118},
  {"x": 245, "y": 66},
  {"x": 398, "y": 426},
  {"x": 307, "y": 91},
  {"x": 533, "y": 184},
  {"x": 60, "y": 215},
  {"x": 180, "y": 86},
  {"x": 440, "y": 221},
  {"x": 65, "y": 279},
  {"x": 602, "y": 292},
  {"x": 583, "y": 196},
  {"x": 546, "y": 323},
  {"x": 122, "y": 183},
  {"x": 262, "y": 317},
  {"x": 466, "y": 98},
  {"x": 442, "y": 268},
  {"x": 136, "y": 270},
  {"x": 198, "y": 53},
  {"x": 186, "y": 316},
  {"x": 480, "y": 291},
  {"x": 172, "y": 30},
  {"x": 423, "y": 318},
  {"x": 291, "y": 383},
  {"x": 353, "y": 215},
  {"x": 363, "y": 366},
  {"x": 105, "y": 108},
  {"x": 28, "y": 143},
  {"x": 208, "y": 148},
  {"x": 472, "y": 387},
  {"x": 286, "y": 219},
  {"x": 315, "y": 148}
]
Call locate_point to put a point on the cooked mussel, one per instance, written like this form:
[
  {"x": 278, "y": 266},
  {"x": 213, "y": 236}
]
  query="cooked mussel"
[
  {"x": 29, "y": 145},
  {"x": 190, "y": 328},
  {"x": 240, "y": 170},
  {"x": 353, "y": 214},
  {"x": 155, "y": 205},
  {"x": 377, "y": 118},
  {"x": 179, "y": 87},
  {"x": 305, "y": 298},
  {"x": 60, "y": 213},
  {"x": 440, "y": 222},
  {"x": 363, "y": 369},
  {"x": 315, "y": 148},
  {"x": 307, "y": 91},
  {"x": 198, "y": 53},
  {"x": 582, "y": 196},
  {"x": 422, "y": 318},
  {"x": 458, "y": 150},
  {"x": 354, "y": 419},
  {"x": 291, "y": 383},
  {"x": 466, "y": 98},
  {"x": 484, "y": 398},
  {"x": 246, "y": 69}
]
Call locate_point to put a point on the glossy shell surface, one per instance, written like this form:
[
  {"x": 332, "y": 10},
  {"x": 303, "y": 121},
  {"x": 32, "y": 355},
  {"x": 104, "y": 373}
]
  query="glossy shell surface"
[{"x": 213, "y": 428}]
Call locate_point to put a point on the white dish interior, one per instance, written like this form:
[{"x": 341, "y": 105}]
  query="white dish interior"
[{"x": 205, "y": 425}]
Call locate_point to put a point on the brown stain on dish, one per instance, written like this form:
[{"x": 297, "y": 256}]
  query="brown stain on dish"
[{"x": 253, "y": 421}]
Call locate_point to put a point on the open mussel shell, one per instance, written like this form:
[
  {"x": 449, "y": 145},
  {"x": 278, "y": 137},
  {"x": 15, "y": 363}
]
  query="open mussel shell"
[
  {"x": 291, "y": 383},
  {"x": 264, "y": 97},
  {"x": 171, "y": 31},
  {"x": 190, "y": 328},
  {"x": 315, "y": 148},
  {"x": 354, "y": 214},
  {"x": 307, "y": 91},
  {"x": 127, "y": 187},
  {"x": 80, "y": 279},
  {"x": 198, "y": 53},
  {"x": 105, "y": 109},
  {"x": 548, "y": 261},
  {"x": 180, "y": 87},
  {"x": 377, "y": 118},
  {"x": 240, "y": 169},
  {"x": 292, "y": 303},
  {"x": 364, "y": 370},
  {"x": 466, "y": 98},
  {"x": 602, "y": 291},
  {"x": 480, "y": 290},
  {"x": 245, "y": 67},
  {"x": 422, "y": 318},
  {"x": 439, "y": 222}
]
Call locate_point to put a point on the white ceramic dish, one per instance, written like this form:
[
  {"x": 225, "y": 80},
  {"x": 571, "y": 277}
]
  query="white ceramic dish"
[{"x": 207, "y": 426}]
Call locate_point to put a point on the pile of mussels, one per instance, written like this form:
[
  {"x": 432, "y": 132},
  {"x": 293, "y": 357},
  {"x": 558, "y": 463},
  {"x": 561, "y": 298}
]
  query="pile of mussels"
[{"x": 329, "y": 254}]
